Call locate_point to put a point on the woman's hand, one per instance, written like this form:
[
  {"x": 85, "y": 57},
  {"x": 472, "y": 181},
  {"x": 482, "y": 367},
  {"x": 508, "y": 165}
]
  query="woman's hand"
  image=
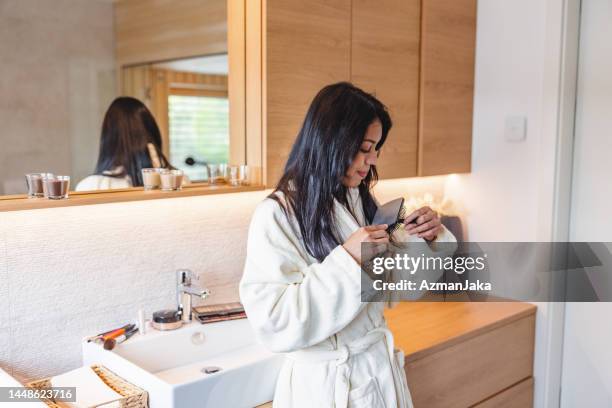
[
  {"x": 424, "y": 222},
  {"x": 372, "y": 233}
]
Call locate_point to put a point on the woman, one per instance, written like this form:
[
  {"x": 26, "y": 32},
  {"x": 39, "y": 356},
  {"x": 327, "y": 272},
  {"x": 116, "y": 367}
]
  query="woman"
[
  {"x": 301, "y": 283},
  {"x": 130, "y": 141}
]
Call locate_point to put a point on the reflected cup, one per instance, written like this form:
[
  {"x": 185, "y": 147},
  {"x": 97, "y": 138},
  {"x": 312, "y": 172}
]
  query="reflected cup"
[
  {"x": 171, "y": 180},
  {"x": 151, "y": 178},
  {"x": 34, "y": 182},
  {"x": 56, "y": 187}
]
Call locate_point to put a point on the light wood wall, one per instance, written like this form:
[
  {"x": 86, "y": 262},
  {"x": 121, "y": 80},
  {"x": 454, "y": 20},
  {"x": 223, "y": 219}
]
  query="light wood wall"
[
  {"x": 255, "y": 90},
  {"x": 236, "y": 42},
  {"x": 158, "y": 30}
]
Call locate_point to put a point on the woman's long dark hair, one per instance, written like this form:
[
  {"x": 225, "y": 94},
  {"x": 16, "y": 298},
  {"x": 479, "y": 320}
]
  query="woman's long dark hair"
[
  {"x": 331, "y": 136},
  {"x": 127, "y": 129}
]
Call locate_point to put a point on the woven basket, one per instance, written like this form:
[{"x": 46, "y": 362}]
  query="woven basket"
[{"x": 133, "y": 397}]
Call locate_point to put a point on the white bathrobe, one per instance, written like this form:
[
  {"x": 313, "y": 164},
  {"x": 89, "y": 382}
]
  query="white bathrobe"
[{"x": 339, "y": 352}]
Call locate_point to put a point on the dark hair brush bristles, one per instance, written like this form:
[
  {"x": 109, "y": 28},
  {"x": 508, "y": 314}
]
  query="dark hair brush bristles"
[{"x": 401, "y": 216}]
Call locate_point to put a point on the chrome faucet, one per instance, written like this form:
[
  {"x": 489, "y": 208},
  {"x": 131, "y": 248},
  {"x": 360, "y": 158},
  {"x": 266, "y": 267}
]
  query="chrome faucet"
[{"x": 185, "y": 291}]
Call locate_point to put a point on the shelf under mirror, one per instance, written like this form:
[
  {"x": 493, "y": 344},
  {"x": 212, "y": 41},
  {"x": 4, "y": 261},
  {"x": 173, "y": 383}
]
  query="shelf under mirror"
[{"x": 22, "y": 202}]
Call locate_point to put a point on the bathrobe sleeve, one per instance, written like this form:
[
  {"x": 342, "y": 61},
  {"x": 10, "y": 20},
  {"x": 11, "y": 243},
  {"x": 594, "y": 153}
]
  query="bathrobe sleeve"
[{"x": 290, "y": 302}]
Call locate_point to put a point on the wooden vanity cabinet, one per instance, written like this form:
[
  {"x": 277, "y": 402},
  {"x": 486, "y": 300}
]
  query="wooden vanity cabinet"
[
  {"x": 417, "y": 56},
  {"x": 461, "y": 355}
]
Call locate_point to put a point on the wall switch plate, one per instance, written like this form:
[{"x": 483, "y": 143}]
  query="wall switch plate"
[{"x": 515, "y": 129}]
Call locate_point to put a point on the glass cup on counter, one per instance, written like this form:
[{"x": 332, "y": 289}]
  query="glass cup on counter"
[
  {"x": 151, "y": 178},
  {"x": 244, "y": 175},
  {"x": 171, "y": 180},
  {"x": 217, "y": 173},
  {"x": 34, "y": 182},
  {"x": 234, "y": 175},
  {"x": 56, "y": 187}
]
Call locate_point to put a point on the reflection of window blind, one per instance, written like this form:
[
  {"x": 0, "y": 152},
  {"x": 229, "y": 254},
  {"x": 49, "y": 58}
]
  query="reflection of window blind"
[{"x": 199, "y": 127}]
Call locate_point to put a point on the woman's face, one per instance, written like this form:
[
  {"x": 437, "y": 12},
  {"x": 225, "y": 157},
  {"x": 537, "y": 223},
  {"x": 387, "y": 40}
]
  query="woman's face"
[{"x": 365, "y": 158}]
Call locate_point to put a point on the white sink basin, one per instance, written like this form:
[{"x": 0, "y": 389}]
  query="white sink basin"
[{"x": 169, "y": 365}]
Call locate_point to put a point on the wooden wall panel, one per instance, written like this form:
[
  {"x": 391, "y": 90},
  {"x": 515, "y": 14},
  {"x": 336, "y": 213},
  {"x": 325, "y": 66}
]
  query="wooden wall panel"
[
  {"x": 307, "y": 46},
  {"x": 448, "y": 44},
  {"x": 236, "y": 40},
  {"x": 385, "y": 61},
  {"x": 158, "y": 104},
  {"x": 137, "y": 82},
  {"x": 157, "y": 30}
]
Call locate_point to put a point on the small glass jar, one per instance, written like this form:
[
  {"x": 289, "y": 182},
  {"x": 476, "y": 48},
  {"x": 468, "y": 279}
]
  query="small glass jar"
[
  {"x": 34, "y": 182},
  {"x": 56, "y": 187},
  {"x": 244, "y": 175},
  {"x": 234, "y": 175},
  {"x": 217, "y": 173},
  {"x": 151, "y": 178},
  {"x": 171, "y": 180}
]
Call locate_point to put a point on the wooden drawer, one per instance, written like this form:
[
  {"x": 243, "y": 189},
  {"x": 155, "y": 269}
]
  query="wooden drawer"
[
  {"x": 473, "y": 370},
  {"x": 517, "y": 396}
]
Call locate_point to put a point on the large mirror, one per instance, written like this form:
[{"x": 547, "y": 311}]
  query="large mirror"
[
  {"x": 64, "y": 62},
  {"x": 189, "y": 99}
]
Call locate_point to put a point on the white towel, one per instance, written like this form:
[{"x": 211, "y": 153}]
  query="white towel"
[{"x": 90, "y": 389}]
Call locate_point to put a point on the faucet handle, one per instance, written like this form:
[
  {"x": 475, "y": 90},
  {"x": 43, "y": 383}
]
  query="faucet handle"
[{"x": 184, "y": 277}]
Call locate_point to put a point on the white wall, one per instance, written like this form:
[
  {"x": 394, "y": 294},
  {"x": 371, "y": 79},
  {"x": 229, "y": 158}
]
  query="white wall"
[
  {"x": 587, "y": 360},
  {"x": 74, "y": 271},
  {"x": 501, "y": 193},
  {"x": 505, "y": 196},
  {"x": 591, "y": 186},
  {"x": 56, "y": 81}
]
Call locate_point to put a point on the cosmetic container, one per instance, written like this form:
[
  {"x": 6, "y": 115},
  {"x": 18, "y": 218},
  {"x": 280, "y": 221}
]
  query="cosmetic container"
[
  {"x": 142, "y": 323},
  {"x": 166, "y": 320}
]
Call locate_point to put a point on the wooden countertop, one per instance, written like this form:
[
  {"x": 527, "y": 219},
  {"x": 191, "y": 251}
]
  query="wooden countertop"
[{"x": 422, "y": 328}]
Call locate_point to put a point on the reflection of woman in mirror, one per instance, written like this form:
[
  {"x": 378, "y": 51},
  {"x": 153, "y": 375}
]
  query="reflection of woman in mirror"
[
  {"x": 301, "y": 286},
  {"x": 129, "y": 136}
]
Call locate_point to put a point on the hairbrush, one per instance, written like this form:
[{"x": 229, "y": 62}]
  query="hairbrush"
[{"x": 392, "y": 213}]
